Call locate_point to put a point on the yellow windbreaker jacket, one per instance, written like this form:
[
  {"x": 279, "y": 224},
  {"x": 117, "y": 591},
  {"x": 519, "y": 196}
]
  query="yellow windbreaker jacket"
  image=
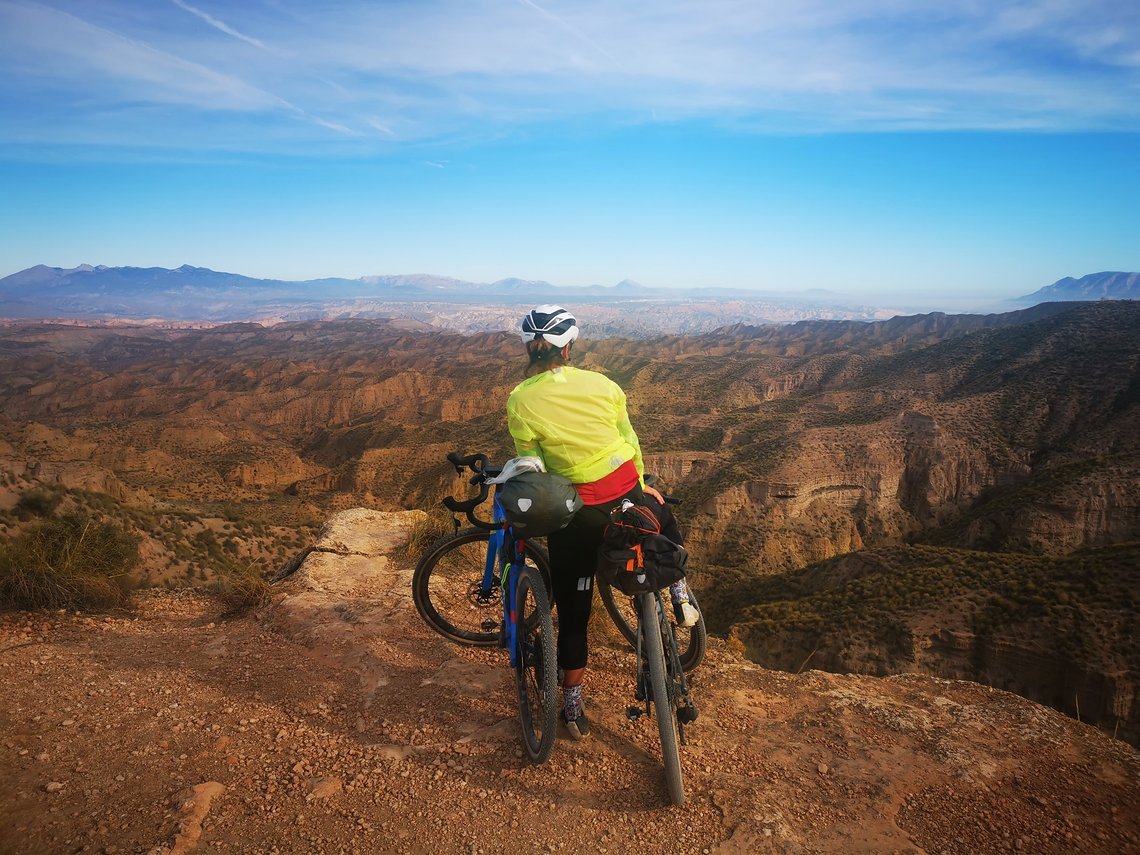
[{"x": 576, "y": 421}]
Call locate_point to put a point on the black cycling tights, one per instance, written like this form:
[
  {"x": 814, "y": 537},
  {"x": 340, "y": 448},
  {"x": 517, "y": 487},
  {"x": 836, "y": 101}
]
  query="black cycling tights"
[{"x": 573, "y": 559}]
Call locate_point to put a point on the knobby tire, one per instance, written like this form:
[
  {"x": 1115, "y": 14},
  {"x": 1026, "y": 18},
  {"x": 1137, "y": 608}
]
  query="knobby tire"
[
  {"x": 691, "y": 641},
  {"x": 536, "y": 670},
  {"x": 664, "y": 698}
]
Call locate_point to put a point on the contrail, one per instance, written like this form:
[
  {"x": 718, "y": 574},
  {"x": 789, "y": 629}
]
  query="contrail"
[
  {"x": 574, "y": 31},
  {"x": 219, "y": 25}
]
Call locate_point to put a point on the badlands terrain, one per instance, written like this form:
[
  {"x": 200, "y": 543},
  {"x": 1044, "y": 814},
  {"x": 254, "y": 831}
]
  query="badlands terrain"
[{"x": 954, "y": 495}]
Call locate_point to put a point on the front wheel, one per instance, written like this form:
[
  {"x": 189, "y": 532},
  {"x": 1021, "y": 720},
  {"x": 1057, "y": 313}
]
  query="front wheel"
[
  {"x": 664, "y": 697},
  {"x": 536, "y": 668},
  {"x": 448, "y": 587},
  {"x": 691, "y": 641}
]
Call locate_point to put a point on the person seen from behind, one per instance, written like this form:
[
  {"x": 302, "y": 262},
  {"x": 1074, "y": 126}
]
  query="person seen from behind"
[{"x": 576, "y": 421}]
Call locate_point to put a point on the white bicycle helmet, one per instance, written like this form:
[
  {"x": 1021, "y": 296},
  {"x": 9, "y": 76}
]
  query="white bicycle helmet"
[{"x": 550, "y": 323}]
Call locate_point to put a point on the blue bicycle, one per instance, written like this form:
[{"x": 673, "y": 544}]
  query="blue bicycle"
[{"x": 485, "y": 586}]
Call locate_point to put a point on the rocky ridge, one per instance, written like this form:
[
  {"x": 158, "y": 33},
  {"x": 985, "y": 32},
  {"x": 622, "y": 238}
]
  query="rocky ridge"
[{"x": 334, "y": 720}]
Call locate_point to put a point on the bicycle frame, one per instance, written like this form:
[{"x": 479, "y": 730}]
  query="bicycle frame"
[
  {"x": 504, "y": 550},
  {"x": 526, "y": 628},
  {"x": 500, "y": 539}
]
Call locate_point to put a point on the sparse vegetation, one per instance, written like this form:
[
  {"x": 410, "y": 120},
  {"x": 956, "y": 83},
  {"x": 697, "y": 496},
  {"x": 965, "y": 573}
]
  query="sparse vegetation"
[
  {"x": 37, "y": 502},
  {"x": 240, "y": 588},
  {"x": 73, "y": 561},
  {"x": 426, "y": 531},
  {"x": 863, "y": 590},
  {"x": 864, "y": 610}
]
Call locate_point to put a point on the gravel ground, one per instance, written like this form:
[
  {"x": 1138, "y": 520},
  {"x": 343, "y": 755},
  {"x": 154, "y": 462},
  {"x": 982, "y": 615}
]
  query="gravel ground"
[{"x": 329, "y": 724}]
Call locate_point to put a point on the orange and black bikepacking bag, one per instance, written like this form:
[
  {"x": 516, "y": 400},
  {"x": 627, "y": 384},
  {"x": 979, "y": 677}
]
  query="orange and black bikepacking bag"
[{"x": 634, "y": 556}]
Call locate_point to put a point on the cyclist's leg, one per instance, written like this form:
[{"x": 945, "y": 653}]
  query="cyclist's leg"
[
  {"x": 573, "y": 556},
  {"x": 572, "y": 589},
  {"x": 573, "y": 560}
]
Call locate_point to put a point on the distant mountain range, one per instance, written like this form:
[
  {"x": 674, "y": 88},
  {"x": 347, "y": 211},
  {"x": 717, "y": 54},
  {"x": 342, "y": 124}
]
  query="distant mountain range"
[
  {"x": 1095, "y": 286},
  {"x": 88, "y": 280},
  {"x": 198, "y": 294},
  {"x": 189, "y": 293}
]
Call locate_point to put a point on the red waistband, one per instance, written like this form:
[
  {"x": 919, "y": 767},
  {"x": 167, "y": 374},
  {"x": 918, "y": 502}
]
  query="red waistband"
[{"x": 617, "y": 483}]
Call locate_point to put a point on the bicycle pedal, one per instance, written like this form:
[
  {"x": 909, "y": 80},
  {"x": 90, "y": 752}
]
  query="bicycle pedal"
[
  {"x": 634, "y": 713},
  {"x": 687, "y": 714}
]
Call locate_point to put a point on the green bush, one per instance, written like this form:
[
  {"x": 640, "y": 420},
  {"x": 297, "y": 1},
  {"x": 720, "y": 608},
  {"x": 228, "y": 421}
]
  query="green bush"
[
  {"x": 37, "y": 502},
  {"x": 73, "y": 561}
]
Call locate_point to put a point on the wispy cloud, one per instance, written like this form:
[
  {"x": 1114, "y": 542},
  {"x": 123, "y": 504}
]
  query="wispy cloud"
[
  {"x": 94, "y": 68},
  {"x": 332, "y": 126},
  {"x": 370, "y": 74},
  {"x": 85, "y": 63},
  {"x": 574, "y": 31},
  {"x": 382, "y": 128},
  {"x": 219, "y": 25}
]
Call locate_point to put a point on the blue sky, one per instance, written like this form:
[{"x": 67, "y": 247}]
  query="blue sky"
[{"x": 883, "y": 149}]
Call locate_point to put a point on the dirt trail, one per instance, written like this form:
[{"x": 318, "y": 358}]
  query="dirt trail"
[{"x": 334, "y": 721}]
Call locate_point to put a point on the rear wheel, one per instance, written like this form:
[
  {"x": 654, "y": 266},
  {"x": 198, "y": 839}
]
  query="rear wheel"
[
  {"x": 691, "y": 641},
  {"x": 664, "y": 699},
  {"x": 536, "y": 669},
  {"x": 447, "y": 587}
]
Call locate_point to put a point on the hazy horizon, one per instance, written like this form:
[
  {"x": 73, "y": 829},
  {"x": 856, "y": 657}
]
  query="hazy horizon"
[{"x": 813, "y": 300}]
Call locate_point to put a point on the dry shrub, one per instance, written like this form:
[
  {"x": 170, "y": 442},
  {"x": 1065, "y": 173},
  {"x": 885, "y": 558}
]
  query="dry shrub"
[
  {"x": 37, "y": 502},
  {"x": 736, "y": 646},
  {"x": 425, "y": 531},
  {"x": 73, "y": 561},
  {"x": 241, "y": 588}
]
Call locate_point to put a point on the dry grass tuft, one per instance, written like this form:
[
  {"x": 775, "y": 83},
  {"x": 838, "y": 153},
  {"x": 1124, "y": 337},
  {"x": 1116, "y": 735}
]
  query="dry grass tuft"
[
  {"x": 74, "y": 561},
  {"x": 426, "y": 531},
  {"x": 241, "y": 588}
]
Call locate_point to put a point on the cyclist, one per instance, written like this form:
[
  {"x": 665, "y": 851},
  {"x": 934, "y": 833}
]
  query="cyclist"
[{"x": 576, "y": 421}]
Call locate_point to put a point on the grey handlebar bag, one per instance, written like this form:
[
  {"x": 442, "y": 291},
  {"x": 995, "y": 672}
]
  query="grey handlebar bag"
[{"x": 535, "y": 502}]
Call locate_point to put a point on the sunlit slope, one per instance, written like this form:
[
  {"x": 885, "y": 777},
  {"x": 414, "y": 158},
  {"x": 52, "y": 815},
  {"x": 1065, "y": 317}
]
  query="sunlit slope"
[{"x": 789, "y": 444}]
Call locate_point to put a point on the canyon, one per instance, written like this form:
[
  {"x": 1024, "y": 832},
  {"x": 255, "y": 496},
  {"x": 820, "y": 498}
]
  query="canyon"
[{"x": 1009, "y": 434}]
